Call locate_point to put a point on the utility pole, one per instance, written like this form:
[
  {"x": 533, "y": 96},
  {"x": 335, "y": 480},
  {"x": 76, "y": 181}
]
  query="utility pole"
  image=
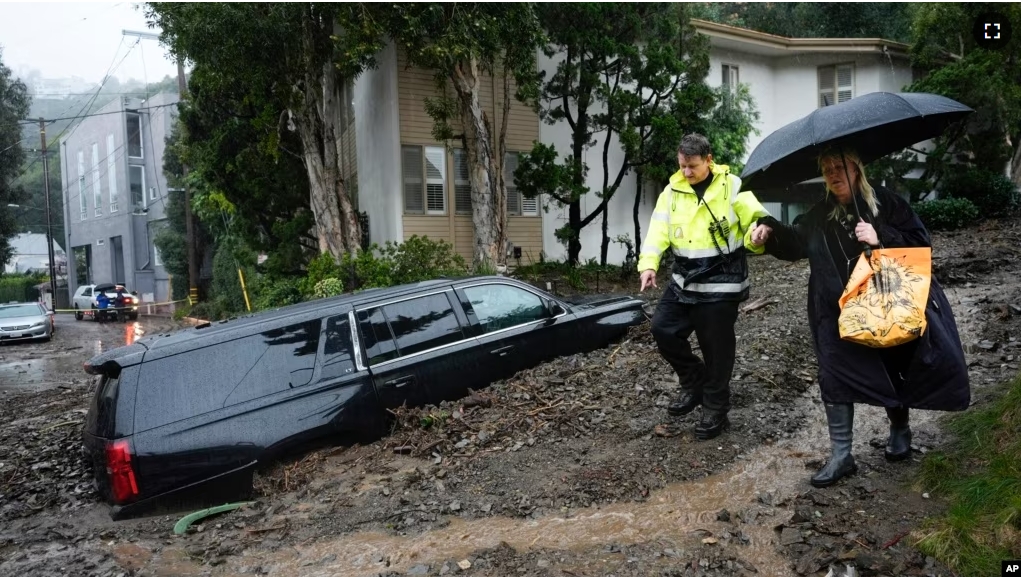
[
  {"x": 193, "y": 265},
  {"x": 49, "y": 222}
]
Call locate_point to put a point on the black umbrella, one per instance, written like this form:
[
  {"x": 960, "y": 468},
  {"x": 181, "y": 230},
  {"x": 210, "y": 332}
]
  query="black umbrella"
[{"x": 874, "y": 125}]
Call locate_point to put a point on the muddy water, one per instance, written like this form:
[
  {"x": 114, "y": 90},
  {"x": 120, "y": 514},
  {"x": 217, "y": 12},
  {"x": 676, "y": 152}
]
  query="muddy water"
[
  {"x": 36, "y": 366},
  {"x": 680, "y": 514}
]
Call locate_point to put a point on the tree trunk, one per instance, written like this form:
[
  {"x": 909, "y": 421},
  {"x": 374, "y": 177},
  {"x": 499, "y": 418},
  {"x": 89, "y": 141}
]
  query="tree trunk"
[
  {"x": 318, "y": 124},
  {"x": 605, "y": 246},
  {"x": 487, "y": 204},
  {"x": 333, "y": 110},
  {"x": 639, "y": 189},
  {"x": 1015, "y": 162}
]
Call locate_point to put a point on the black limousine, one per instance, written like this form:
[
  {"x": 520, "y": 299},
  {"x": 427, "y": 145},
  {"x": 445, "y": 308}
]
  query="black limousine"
[{"x": 188, "y": 416}]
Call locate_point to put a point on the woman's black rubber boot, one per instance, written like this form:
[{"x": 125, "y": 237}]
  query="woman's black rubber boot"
[
  {"x": 840, "y": 418},
  {"x": 898, "y": 446}
]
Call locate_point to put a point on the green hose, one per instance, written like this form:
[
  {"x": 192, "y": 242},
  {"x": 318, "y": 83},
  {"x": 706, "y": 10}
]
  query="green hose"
[{"x": 181, "y": 526}]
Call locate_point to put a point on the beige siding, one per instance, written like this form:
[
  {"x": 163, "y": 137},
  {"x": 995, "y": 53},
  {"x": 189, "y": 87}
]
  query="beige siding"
[
  {"x": 526, "y": 232},
  {"x": 414, "y": 86},
  {"x": 434, "y": 227}
]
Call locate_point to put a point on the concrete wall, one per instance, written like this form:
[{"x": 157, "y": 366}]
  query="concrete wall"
[{"x": 378, "y": 141}]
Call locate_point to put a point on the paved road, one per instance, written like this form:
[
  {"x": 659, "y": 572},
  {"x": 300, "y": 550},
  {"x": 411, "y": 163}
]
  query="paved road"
[{"x": 27, "y": 365}]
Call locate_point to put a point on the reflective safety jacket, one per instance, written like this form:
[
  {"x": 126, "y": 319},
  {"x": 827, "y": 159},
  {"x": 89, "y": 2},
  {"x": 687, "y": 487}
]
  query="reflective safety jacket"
[{"x": 709, "y": 237}]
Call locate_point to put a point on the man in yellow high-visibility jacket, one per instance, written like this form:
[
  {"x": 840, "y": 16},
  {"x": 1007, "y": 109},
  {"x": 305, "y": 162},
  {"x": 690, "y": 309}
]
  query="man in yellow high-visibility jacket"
[{"x": 707, "y": 222}]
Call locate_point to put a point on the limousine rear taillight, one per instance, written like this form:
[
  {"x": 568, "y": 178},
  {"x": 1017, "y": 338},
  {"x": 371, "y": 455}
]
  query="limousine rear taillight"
[{"x": 120, "y": 471}]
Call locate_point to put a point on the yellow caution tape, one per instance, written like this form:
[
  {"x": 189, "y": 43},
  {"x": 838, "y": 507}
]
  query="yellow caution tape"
[{"x": 140, "y": 306}]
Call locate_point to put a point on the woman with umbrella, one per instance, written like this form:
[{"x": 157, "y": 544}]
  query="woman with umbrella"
[{"x": 928, "y": 372}]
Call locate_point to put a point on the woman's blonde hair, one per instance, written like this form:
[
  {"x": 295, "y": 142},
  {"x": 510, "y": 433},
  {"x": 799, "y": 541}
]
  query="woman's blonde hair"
[{"x": 863, "y": 187}]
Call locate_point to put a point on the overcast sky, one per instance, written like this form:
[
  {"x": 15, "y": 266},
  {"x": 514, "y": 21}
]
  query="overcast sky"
[{"x": 65, "y": 39}]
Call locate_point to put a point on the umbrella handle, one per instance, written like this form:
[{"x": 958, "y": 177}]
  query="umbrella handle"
[{"x": 867, "y": 249}]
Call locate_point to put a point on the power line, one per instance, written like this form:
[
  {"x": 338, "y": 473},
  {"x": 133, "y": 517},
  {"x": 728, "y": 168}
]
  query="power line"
[{"x": 48, "y": 120}]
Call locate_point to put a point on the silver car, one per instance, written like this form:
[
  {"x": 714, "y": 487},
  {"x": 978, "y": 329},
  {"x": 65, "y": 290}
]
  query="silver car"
[{"x": 20, "y": 321}]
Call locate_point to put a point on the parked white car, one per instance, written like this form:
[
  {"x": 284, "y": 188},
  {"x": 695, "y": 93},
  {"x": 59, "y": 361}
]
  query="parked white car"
[{"x": 84, "y": 299}]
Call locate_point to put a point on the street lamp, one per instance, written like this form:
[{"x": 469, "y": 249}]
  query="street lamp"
[{"x": 49, "y": 248}]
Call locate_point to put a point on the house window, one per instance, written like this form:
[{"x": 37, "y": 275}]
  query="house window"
[
  {"x": 156, "y": 260},
  {"x": 136, "y": 183},
  {"x": 836, "y": 84},
  {"x": 82, "y": 199},
  {"x": 97, "y": 193},
  {"x": 517, "y": 204},
  {"x": 111, "y": 170},
  {"x": 152, "y": 193},
  {"x": 134, "y": 135},
  {"x": 462, "y": 184},
  {"x": 424, "y": 170},
  {"x": 731, "y": 77}
]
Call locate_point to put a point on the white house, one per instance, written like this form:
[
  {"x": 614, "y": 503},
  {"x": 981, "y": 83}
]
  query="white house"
[
  {"x": 30, "y": 255},
  {"x": 407, "y": 183}
]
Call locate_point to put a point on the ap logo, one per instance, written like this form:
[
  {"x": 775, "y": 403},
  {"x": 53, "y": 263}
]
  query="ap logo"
[{"x": 1012, "y": 568}]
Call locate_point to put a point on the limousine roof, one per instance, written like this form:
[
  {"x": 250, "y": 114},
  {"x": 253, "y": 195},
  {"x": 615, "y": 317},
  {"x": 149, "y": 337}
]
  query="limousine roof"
[{"x": 215, "y": 329}]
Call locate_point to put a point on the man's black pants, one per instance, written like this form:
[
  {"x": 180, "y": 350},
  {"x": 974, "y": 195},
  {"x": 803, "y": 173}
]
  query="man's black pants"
[{"x": 713, "y": 325}]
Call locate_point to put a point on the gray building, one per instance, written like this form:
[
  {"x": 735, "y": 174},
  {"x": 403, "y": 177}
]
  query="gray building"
[{"x": 115, "y": 195}]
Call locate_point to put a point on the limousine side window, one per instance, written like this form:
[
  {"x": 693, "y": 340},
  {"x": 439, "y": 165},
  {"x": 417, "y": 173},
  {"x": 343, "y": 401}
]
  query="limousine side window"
[
  {"x": 423, "y": 323},
  {"x": 501, "y": 306},
  {"x": 288, "y": 362},
  {"x": 203, "y": 380},
  {"x": 337, "y": 358},
  {"x": 375, "y": 332}
]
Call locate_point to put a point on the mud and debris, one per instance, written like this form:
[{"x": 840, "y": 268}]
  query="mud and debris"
[{"x": 570, "y": 468}]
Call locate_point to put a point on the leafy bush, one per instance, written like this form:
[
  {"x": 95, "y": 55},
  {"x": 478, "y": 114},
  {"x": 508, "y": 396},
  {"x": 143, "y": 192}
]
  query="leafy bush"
[
  {"x": 211, "y": 310},
  {"x": 415, "y": 260},
  {"x": 947, "y": 213},
  {"x": 274, "y": 293},
  {"x": 329, "y": 287},
  {"x": 20, "y": 287},
  {"x": 992, "y": 193},
  {"x": 320, "y": 268}
]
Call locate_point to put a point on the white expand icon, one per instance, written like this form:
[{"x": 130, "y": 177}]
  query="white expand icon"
[{"x": 988, "y": 26}]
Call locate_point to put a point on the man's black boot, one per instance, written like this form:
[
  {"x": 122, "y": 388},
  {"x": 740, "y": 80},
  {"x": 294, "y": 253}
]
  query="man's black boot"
[
  {"x": 840, "y": 419},
  {"x": 711, "y": 425},
  {"x": 898, "y": 446},
  {"x": 684, "y": 404}
]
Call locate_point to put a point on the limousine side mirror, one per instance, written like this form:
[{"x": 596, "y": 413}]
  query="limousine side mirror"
[{"x": 554, "y": 308}]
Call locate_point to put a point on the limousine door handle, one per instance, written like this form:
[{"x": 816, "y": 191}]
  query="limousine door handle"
[
  {"x": 502, "y": 351},
  {"x": 400, "y": 381}
]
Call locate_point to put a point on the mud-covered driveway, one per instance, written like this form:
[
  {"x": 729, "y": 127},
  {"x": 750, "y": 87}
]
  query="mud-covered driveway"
[{"x": 572, "y": 468}]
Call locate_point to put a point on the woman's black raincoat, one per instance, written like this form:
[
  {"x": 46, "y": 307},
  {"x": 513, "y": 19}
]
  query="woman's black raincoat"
[{"x": 935, "y": 375}]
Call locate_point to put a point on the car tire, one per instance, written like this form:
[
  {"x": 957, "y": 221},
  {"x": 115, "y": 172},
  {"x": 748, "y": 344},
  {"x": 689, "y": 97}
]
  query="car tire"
[
  {"x": 78, "y": 313},
  {"x": 133, "y": 317}
]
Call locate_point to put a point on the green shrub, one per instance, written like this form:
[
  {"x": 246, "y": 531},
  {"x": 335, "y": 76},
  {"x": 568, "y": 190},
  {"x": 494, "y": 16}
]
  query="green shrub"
[
  {"x": 274, "y": 293},
  {"x": 212, "y": 310},
  {"x": 321, "y": 268},
  {"x": 20, "y": 287},
  {"x": 329, "y": 287},
  {"x": 415, "y": 260},
  {"x": 992, "y": 193},
  {"x": 947, "y": 213}
]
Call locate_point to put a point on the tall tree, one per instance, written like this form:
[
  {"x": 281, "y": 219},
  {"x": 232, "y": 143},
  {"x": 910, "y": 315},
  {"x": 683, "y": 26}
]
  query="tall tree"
[
  {"x": 622, "y": 66},
  {"x": 463, "y": 43},
  {"x": 299, "y": 53},
  {"x": 987, "y": 80},
  {"x": 888, "y": 20},
  {"x": 14, "y": 105}
]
